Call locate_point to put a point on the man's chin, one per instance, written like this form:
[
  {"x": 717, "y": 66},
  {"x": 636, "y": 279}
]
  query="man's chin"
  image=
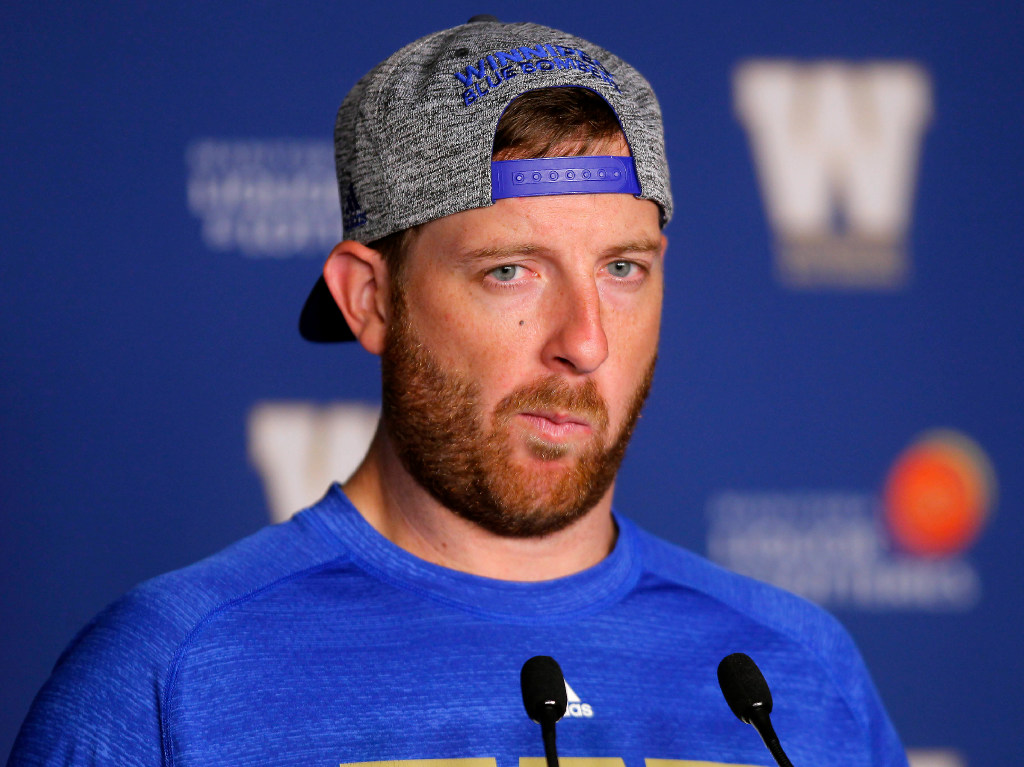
[
  {"x": 536, "y": 522},
  {"x": 551, "y": 455}
]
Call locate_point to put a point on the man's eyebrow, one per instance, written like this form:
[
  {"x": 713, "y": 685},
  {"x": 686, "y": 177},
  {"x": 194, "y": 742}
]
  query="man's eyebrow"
[
  {"x": 644, "y": 245},
  {"x": 492, "y": 253}
]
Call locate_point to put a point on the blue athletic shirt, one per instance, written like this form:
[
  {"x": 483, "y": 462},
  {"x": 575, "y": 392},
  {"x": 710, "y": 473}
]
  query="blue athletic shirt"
[{"x": 319, "y": 642}]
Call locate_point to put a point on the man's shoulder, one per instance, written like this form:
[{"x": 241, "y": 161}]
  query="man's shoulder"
[
  {"x": 105, "y": 693},
  {"x": 148, "y": 625},
  {"x": 807, "y": 651},
  {"x": 176, "y": 602},
  {"x": 747, "y": 600}
]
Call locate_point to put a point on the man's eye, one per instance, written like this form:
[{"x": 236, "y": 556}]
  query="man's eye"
[
  {"x": 621, "y": 268},
  {"x": 506, "y": 273}
]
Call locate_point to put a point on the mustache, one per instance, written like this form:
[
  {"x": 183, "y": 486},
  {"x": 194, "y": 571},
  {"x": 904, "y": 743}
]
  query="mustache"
[{"x": 555, "y": 393}]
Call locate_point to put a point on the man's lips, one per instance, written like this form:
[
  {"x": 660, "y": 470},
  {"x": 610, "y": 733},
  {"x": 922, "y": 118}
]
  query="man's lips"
[{"x": 553, "y": 425}]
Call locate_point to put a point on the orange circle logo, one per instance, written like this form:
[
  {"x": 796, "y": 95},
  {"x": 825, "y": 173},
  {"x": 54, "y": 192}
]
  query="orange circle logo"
[{"x": 938, "y": 494}]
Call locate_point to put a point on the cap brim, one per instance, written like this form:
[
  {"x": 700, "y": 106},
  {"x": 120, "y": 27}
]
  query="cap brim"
[{"x": 321, "y": 319}]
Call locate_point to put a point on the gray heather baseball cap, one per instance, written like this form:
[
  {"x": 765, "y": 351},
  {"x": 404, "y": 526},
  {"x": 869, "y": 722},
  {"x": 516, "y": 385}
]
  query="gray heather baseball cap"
[{"x": 414, "y": 137}]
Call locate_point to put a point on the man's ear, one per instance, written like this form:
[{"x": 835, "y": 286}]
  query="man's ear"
[{"x": 358, "y": 280}]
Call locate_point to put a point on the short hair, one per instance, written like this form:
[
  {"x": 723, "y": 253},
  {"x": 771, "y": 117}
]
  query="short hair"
[
  {"x": 547, "y": 122},
  {"x": 554, "y": 122}
]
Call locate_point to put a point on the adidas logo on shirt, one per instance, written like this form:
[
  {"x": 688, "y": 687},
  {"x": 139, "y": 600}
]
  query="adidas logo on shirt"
[{"x": 576, "y": 707}]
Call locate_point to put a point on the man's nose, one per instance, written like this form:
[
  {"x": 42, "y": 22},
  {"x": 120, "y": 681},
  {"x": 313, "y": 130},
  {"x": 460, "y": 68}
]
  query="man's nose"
[{"x": 577, "y": 342}]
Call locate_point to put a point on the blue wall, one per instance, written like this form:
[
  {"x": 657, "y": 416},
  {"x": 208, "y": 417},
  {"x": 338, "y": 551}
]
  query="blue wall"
[{"x": 144, "y": 313}]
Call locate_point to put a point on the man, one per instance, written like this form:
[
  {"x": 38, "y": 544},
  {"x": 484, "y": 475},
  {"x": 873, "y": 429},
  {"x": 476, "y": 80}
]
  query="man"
[{"x": 503, "y": 187}]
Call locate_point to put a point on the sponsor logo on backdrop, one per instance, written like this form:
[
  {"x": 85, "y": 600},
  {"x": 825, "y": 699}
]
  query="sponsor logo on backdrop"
[
  {"x": 900, "y": 548},
  {"x": 299, "y": 449},
  {"x": 265, "y": 199},
  {"x": 938, "y": 495},
  {"x": 836, "y": 147}
]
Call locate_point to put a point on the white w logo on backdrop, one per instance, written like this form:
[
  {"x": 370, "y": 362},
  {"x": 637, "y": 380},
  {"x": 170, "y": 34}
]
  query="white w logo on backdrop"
[
  {"x": 300, "y": 448},
  {"x": 836, "y": 147}
]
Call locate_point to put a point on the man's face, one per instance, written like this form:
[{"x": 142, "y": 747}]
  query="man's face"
[{"x": 520, "y": 351}]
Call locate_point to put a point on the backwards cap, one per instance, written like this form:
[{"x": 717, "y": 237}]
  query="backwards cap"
[{"x": 414, "y": 137}]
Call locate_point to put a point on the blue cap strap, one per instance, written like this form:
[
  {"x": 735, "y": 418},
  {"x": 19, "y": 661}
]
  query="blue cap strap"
[{"x": 563, "y": 175}]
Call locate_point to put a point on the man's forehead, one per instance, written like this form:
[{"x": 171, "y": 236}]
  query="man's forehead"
[{"x": 600, "y": 224}]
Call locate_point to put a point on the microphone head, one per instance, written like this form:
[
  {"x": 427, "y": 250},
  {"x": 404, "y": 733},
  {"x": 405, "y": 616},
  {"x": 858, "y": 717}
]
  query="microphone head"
[
  {"x": 743, "y": 686},
  {"x": 543, "y": 689}
]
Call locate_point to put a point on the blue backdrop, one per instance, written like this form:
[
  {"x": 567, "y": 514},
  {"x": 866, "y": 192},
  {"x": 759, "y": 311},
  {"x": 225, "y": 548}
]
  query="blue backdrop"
[{"x": 844, "y": 279}]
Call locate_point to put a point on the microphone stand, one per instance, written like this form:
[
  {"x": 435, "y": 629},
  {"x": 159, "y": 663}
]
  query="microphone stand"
[
  {"x": 547, "y": 732},
  {"x": 763, "y": 724}
]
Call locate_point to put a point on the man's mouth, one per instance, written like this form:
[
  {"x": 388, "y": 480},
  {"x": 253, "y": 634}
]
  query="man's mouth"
[{"x": 557, "y": 426}]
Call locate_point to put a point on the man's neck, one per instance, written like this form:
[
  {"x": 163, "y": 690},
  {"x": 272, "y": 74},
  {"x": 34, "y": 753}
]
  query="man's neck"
[{"x": 403, "y": 512}]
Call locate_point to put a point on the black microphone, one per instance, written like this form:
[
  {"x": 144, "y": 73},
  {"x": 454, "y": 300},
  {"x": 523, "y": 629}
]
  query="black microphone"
[
  {"x": 748, "y": 696},
  {"x": 544, "y": 698}
]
